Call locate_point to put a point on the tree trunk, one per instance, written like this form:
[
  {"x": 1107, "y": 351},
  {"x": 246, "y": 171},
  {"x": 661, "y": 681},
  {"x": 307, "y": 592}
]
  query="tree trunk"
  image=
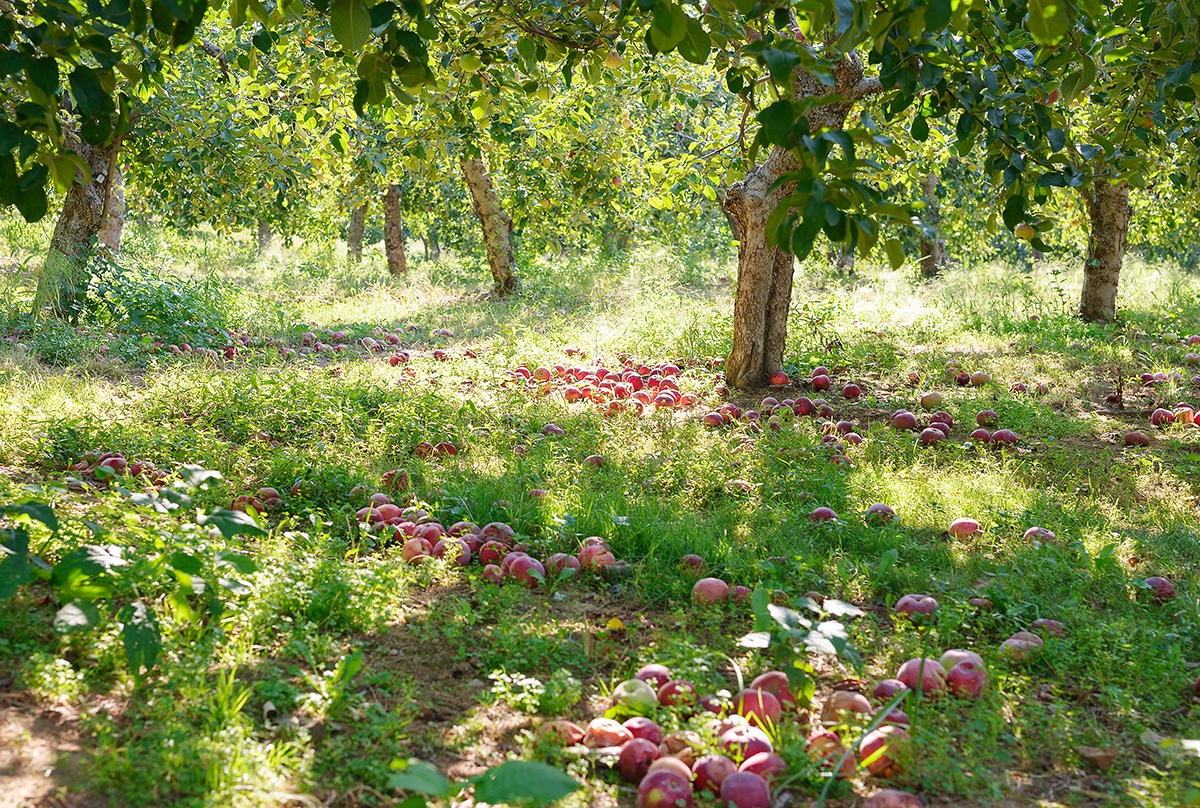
[
  {"x": 933, "y": 252},
  {"x": 393, "y": 232},
  {"x": 112, "y": 227},
  {"x": 264, "y": 237},
  {"x": 1109, "y": 211},
  {"x": 497, "y": 227},
  {"x": 764, "y": 282},
  {"x": 433, "y": 248},
  {"x": 354, "y": 234},
  {"x": 64, "y": 273}
]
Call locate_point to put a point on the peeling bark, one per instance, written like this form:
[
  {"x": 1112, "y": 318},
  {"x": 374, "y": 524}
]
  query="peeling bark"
[
  {"x": 82, "y": 212},
  {"x": 764, "y": 283},
  {"x": 354, "y": 234},
  {"x": 393, "y": 232},
  {"x": 497, "y": 227},
  {"x": 933, "y": 253},
  {"x": 1109, "y": 213},
  {"x": 112, "y": 225}
]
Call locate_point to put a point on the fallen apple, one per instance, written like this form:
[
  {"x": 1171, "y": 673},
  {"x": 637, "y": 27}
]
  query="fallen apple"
[
  {"x": 665, "y": 789},
  {"x": 641, "y": 727},
  {"x": 636, "y": 757},
  {"x": 635, "y": 695},
  {"x": 881, "y": 748},
  {"x": 745, "y": 790},
  {"x": 710, "y": 591},
  {"x": 967, "y": 679},
  {"x": 891, "y": 798},
  {"x": 918, "y": 606},
  {"x": 964, "y": 527},
  {"x": 929, "y": 672},
  {"x": 710, "y": 771},
  {"x": 759, "y": 707},
  {"x": 657, "y": 675}
]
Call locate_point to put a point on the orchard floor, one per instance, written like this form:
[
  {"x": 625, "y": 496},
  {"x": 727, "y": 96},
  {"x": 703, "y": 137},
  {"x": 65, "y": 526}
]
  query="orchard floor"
[{"x": 265, "y": 705}]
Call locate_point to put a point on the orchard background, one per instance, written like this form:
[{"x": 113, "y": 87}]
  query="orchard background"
[{"x": 489, "y": 402}]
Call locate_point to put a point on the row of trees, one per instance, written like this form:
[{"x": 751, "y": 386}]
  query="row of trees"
[{"x": 802, "y": 118}]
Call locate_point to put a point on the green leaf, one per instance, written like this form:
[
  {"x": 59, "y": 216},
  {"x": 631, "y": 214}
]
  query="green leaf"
[
  {"x": 351, "y": 23},
  {"x": 237, "y": 13},
  {"x": 78, "y": 615},
  {"x": 15, "y": 569},
  {"x": 37, "y": 511},
  {"x": 695, "y": 45},
  {"x": 1048, "y": 21},
  {"x": 243, "y": 564},
  {"x": 937, "y": 15},
  {"x": 198, "y": 477},
  {"x": 781, "y": 62},
  {"x": 895, "y": 252},
  {"x": 523, "y": 783},
  {"x": 420, "y": 776},
  {"x": 230, "y": 523},
  {"x": 670, "y": 26},
  {"x": 140, "y": 635},
  {"x": 845, "y": 15}
]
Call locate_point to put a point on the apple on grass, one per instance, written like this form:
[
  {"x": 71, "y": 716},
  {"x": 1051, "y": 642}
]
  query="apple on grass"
[
  {"x": 665, "y": 789},
  {"x": 745, "y": 790},
  {"x": 636, "y": 757}
]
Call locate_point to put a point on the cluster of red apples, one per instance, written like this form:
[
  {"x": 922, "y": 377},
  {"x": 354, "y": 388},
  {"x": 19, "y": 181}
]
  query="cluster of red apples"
[{"x": 672, "y": 770}]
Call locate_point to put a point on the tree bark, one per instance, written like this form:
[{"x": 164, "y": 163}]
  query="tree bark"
[
  {"x": 264, "y": 237},
  {"x": 497, "y": 227},
  {"x": 433, "y": 248},
  {"x": 933, "y": 252},
  {"x": 764, "y": 282},
  {"x": 83, "y": 209},
  {"x": 112, "y": 226},
  {"x": 1109, "y": 212},
  {"x": 354, "y": 234},
  {"x": 393, "y": 232}
]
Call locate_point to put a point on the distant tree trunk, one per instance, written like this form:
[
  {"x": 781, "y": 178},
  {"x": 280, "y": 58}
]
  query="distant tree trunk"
[
  {"x": 264, "y": 237},
  {"x": 79, "y": 221},
  {"x": 354, "y": 234},
  {"x": 433, "y": 248},
  {"x": 764, "y": 280},
  {"x": 497, "y": 227},
  {"x": 933, "y": 252},
  {"x": 112, "y": 226},
  {"x": 1109, "y": 212},
  {"x": 393, "y": 232},
  {"x": 843, "y": 259}
]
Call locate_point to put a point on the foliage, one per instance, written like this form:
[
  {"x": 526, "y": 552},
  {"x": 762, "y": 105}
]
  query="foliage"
[{"x": 531, "y": 695}]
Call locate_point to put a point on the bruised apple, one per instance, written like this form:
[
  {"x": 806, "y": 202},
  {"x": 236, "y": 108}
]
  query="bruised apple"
[
  {"x": 602, "y": 732},
  {"x": 881, "y": 747},
  {"x": 636, "y": 757}
]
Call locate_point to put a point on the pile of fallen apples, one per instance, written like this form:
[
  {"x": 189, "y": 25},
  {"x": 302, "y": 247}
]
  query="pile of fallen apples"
[
  {"x": 738, "y": 764},
  {"x": 632, "y": 387}
]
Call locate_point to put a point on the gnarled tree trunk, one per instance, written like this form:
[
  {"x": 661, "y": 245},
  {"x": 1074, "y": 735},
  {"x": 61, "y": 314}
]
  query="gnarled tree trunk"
[
  {"x": 354, "y": 234},
  {"x": 933, "y": 252},
  {"x": 764, "y": 283},
  {"x": 497, "y": 227},
  {"x": 264, "y": 237},
  {"x": 82, "y": 212},
  {"x": 112, "y": 226},
  {"x": 1109, "y": 211},
  {"x": 393, "y": 232}
]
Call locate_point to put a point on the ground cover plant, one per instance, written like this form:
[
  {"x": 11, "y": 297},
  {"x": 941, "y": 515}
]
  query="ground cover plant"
[{"x": 369, "y": 538}]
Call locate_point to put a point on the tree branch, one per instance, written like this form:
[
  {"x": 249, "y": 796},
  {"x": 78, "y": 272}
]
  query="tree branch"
[
  {"x": 216, "y": 53},
  {"x": 868, "y": 85}
]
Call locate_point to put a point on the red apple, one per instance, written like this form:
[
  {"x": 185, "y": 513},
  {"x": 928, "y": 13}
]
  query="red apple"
[
  {"x": 665, "y": 789},
  {"x": 1021, "y": 646},
  {"x": 692, "y": 565},
  {"x": 931, "y": 400},
  {"x": 851, "y": 391},
  {"x": 891, "y": 798},
  {"x": 967, "y": 679},
  {"x": 1048, "y": 628},
  {"x": 1162, "y": 589},
  {"x": 844, "y": 707},
  {"x": 677, "y": 692},
  {"x": 880, "y": 748},
  {"x": 775, "y": 683},
  {"x": 710, "y": 591},
  {"x": 822, "y": 514},
  {"x": 880, "y": 514},
  {"x": 636, "y": 757},
  {"x": 929, "y": 672},
  {"x": 711, "y": 770},
  {"x": 647, "y": 728},
  {"x": 745, "y": 790},
  {"x": 1004, "y": 437},
  {"x": 759, "y": 707},
  {"x": 887, "y": 689},
  {"x": 964, "y": 527},
  {"x": 741, "y": 742},
  {"x": 827, "y": 747},
  {"x": 656, "y": 675},
  {"x": 956, "y": 655},
  {"x": 768, "y": 765},
  {"x": 924, "y": 606},
  {"x": 987, "y": 418}
]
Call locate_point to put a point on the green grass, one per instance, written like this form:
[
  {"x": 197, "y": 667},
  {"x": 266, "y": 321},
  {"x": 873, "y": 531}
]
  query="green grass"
[{"x": 248, "y": 703}]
